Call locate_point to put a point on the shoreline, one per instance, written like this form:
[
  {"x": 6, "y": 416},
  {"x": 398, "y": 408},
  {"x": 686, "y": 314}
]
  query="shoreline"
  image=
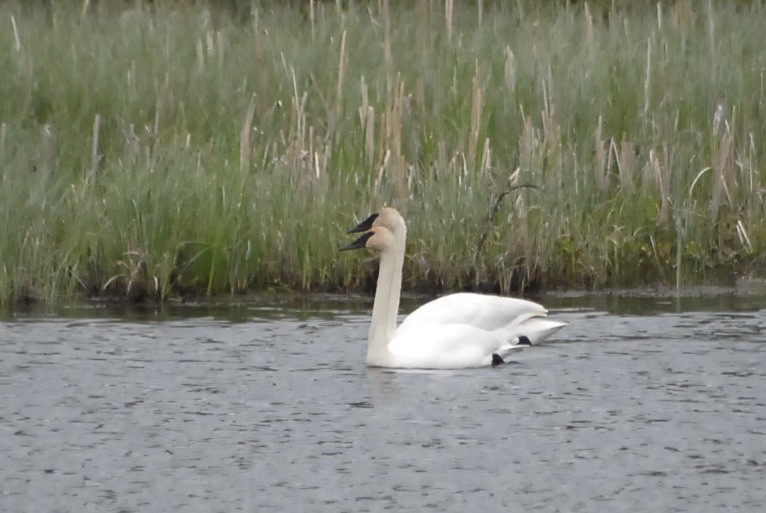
[{"x": 752, "y": 288}]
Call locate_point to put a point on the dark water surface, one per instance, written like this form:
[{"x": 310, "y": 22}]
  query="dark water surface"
[{"x": 639, "y": 404}]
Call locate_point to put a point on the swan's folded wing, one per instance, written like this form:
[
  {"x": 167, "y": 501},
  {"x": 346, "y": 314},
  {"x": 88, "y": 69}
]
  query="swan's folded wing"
[
  {"x": 488, "y": 313},
  {"x": 456, "y": 345}
]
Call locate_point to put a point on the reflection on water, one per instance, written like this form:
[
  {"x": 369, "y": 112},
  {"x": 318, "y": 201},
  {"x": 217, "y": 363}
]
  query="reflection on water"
[{"x": 267, "y": 406}]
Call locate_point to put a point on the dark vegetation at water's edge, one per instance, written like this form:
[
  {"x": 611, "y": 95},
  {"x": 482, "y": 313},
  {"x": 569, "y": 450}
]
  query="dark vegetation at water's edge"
[{"x": 173, "y": 149}]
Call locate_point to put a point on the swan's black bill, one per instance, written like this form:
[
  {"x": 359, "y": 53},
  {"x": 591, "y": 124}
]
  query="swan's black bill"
[
  {"x": 364, "y": 225},
  {"x": 358, "y": 243}
]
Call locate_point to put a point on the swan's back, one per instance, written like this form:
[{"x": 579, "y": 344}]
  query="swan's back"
[{"x": 489, "y": 313}]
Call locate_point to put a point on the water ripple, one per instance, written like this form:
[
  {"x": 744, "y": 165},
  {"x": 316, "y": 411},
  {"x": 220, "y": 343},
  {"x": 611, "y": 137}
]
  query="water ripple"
[{"x": 619, "y": 413}]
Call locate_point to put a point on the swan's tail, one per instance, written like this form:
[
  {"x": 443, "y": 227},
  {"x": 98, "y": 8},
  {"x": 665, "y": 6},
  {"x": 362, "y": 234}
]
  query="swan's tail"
[
  {"x": 532, "y": 326},
  {"x": 538, "y": 329},
  {"x": 523, "y": 333}
]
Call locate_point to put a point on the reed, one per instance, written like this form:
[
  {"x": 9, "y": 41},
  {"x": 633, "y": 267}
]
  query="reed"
[{"x": 165, "y": 149}]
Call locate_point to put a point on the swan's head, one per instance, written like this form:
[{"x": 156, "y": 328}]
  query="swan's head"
[
  {"x": 378, "y": 239},
  {"x": 388, "y": 218}
]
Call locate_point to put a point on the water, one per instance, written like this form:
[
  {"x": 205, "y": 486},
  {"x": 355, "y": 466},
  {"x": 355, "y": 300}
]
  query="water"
[{"x": 270, "y": 408}]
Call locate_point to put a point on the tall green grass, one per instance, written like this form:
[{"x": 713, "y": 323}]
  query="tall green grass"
[{"x": 165, "y": 150}]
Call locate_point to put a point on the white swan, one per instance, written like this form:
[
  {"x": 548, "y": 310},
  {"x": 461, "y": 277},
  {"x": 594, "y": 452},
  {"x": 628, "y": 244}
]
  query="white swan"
[{"x": 455, "y": 331}]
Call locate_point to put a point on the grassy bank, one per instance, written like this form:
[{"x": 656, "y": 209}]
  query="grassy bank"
[{"x": 169, "y": 150}]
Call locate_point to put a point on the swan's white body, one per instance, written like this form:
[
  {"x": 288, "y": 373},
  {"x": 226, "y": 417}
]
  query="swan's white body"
[{"x": 455, "y": 331}]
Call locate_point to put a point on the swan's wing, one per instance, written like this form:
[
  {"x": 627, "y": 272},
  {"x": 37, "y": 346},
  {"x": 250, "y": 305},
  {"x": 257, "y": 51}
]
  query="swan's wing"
[
  {"x": 465, "y": 330},
  {"x": 445, "y": 346},
  {"x": 455, "y": 346},
  {"x": 485, "y": 312}
]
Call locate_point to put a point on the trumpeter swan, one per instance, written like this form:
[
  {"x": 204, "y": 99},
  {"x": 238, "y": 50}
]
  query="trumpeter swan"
[{"x": 455, "y": 331}]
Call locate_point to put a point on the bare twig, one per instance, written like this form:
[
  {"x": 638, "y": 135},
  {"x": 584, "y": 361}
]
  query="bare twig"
[{"x": 493, "y": 213}]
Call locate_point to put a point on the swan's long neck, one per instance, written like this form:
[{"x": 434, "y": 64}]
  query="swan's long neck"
[{"x": 386, "y": 305}]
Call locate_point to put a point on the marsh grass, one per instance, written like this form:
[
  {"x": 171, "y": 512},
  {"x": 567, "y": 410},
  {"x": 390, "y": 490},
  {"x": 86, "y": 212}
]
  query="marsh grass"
[{"x": 165, "y": 150}]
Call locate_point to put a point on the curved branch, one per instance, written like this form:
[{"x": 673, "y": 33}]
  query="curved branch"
[{"x": 493, "y": 213}]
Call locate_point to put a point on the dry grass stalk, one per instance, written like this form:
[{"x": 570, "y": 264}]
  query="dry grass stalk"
[
  {"x": 722, "y": 170},
  {"x": 312, "y": 19},
  {"x": 510, "y": 69},
  {"x": 336, "y": 111},
  {"x": 476, "y": 107},
  {"x": 602, "y": 165},
  {"x": 94, "y": 156},
  {"x": 626, "y": 163},
  {"x": 245, "y": 147},
  {"x": 648, "y": 76},
  {"x": 480, "y": 13},
  {"x": 387, "y": 51},
  {"x": 16, "y": 38},
  {"x": 486, "y": 160},
  {"x": 367, "y": 121},
  {"x": 662, "y": 177},
  {"x": 588, "y": 23}
]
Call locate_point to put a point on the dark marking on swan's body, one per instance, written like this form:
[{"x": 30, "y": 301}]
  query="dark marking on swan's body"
[
  {"x": 524, "y": 341},
  {"x": 497, "y": 360}
]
